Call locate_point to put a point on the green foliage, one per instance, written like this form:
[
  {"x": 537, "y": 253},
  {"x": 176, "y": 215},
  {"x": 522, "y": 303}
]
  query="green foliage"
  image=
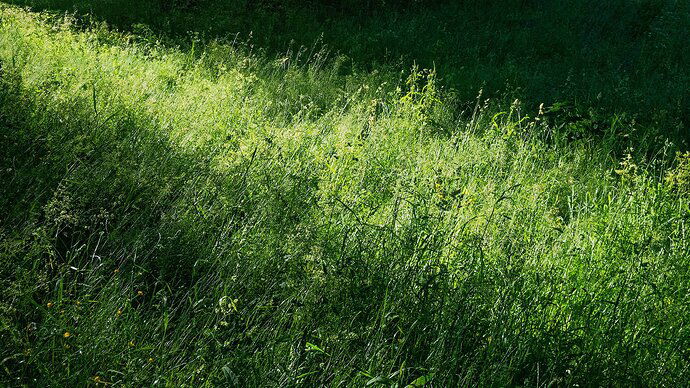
[
  {"x": 679, "y": 177},
  {"x": 560, "y": 52},
  {"x": 209, "y": 215}
]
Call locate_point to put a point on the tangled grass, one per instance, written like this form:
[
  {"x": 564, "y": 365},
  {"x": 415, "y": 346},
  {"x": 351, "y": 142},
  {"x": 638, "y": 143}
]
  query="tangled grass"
[{"x": 220, "y": 218}]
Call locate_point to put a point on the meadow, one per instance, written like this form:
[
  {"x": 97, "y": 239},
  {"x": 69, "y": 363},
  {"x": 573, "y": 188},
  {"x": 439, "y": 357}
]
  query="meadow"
[{"x": 371, "y": 193}]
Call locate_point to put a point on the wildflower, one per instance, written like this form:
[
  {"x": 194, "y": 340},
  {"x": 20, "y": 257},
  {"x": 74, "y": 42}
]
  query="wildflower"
[
  {"x": 140, "y": 293},
  {"x": 131, "y": 344},
  {"x": 150, "y": 360},
  {"x": 67, "y": 334},
  {"x": 49, "y": 304},
  {"x": 96, "y": 379},
  {"x": 116, "y": 270},
  {"x": 119, "y": 312}
]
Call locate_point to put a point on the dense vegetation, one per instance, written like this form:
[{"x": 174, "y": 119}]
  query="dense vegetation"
[
  {"x": 182, "y": 205},
  {"x": 592, "y": 58}
]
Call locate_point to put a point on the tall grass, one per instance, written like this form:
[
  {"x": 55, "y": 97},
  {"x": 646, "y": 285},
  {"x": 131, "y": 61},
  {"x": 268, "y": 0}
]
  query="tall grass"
[
  {"x": 595, "y": 59},
  {"x": 214, "y": 217}
]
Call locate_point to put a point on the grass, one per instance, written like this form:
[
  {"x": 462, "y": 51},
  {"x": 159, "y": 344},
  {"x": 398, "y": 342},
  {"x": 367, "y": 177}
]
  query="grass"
[
  {"x": 594, "y": 59},
  {"x": 202, "y": 215}
]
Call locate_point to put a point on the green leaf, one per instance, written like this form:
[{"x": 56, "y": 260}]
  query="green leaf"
[{"x": 421, "y": 380}]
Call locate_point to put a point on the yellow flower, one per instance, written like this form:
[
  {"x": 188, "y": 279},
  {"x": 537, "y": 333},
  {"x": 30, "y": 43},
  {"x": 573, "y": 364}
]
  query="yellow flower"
[
  {"x": 131, "y": 344},
  {"x": 116, "y": 270},
  {"x": 50, "y": 304},
  {"x": 140, "y": 293},
  {"x": 150, "y": 360},
  {"x": 119, "y": 312},
  {"x": 67, "y": 334}
]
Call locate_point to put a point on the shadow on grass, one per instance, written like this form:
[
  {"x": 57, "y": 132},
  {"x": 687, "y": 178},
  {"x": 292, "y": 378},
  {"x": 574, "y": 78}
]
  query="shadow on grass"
[{"x": 614, "y": 58}]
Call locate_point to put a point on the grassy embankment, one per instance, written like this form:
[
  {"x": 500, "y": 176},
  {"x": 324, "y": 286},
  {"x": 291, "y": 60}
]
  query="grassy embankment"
[
  {"x": 218, "y": 217},
  {"x": 588, "y": 60}
]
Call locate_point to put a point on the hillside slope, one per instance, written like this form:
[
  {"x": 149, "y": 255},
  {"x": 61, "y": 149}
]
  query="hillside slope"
[
  {"x": 213, "y": 216},
  {"x": 592, "y": 58}
]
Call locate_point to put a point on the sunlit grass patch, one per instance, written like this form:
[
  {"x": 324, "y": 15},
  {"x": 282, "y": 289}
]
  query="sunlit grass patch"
[{"x": 220, "y": 218}]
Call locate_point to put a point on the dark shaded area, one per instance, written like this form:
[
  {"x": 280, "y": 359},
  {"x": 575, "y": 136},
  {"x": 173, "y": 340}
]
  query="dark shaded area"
[{"x": 595, "y": 59}]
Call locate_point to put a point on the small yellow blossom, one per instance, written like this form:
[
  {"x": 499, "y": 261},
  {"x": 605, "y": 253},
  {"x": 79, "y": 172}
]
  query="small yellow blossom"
[
  {"x": 131, "y": 343},
  {"x": 140, "y": 293},
  {"x": 150, "y": 360},
  {"x": 67, "y": 334},
  {"x": 49, "y": 304},
  {"x": 119, "y": 312},
  {"x": 116, "y": 270}
]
